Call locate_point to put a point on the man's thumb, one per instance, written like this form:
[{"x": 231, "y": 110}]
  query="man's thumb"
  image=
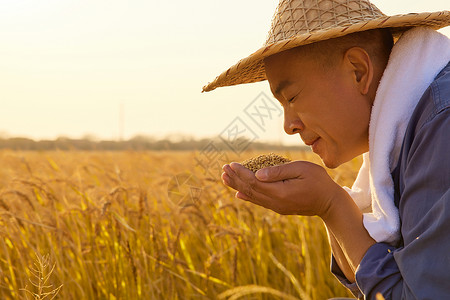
[{"x": 277, "y": 173}]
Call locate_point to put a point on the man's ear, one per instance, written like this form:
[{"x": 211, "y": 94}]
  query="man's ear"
[{"x": 362, "y": 68}]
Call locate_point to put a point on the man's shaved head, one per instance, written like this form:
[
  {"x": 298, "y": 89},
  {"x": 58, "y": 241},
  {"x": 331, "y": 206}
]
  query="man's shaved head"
[{"x": 377, "y": 42}]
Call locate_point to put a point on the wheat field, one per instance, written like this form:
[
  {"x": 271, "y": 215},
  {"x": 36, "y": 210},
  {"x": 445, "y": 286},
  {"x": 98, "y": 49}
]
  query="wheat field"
[{"x": 151, "y": 225}]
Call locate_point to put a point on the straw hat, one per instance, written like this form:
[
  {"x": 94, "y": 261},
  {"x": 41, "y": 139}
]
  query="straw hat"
[{"x": 300, "y": 22}]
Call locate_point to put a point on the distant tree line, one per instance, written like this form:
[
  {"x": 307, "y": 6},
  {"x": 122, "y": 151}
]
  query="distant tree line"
[{"x": 138, "y": 143}]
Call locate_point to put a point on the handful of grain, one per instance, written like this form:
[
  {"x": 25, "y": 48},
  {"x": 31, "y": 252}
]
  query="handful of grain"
[{"x": 265, "y": 160}]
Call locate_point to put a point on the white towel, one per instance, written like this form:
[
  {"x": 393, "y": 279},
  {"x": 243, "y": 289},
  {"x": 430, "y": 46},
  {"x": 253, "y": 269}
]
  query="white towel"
[{"x": 417, "y": 57}]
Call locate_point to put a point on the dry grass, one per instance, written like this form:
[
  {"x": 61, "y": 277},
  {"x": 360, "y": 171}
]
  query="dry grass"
[{"x": 116, "y": 227}]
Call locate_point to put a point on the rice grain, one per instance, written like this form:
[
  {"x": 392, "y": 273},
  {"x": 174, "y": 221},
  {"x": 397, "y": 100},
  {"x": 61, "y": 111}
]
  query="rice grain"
[{"x": 265, "y": 160}]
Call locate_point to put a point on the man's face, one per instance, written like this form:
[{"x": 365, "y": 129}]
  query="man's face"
[{"x": 325, "y": 107}]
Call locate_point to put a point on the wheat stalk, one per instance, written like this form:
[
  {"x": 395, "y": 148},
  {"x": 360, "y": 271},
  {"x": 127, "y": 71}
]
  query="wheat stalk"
[{"x": 41, "y": 273}]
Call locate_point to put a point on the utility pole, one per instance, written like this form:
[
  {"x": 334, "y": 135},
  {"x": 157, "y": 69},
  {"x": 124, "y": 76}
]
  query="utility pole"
[{"x": 121, "y": 120}]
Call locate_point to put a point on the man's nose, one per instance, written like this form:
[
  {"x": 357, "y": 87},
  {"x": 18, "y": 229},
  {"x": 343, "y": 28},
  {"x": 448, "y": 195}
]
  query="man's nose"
[{"x": 292, "y": 123}]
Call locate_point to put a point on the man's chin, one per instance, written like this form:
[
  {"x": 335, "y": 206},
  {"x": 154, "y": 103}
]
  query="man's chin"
[{"x": 330, "y": 163}]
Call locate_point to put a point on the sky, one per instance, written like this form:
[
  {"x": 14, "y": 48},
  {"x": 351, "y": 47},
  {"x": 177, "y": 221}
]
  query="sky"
[{"x": 116, "y": 69}]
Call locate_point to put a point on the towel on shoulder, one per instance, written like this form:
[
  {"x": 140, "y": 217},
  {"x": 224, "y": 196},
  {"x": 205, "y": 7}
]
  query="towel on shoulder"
[{"x": 416, "y": 59}]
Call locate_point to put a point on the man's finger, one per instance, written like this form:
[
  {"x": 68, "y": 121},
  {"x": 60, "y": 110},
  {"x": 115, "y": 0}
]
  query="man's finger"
[
  {"x": 230, "y": 179},
  {"x": 243, "y": 196},
  {"x": 282, "y": 172},
  {"x": 241, "y": 171},
  {"x": 256, "y": 198},
  {"x": 244, "y": 180},
  {"x": 226, "y": 178}
]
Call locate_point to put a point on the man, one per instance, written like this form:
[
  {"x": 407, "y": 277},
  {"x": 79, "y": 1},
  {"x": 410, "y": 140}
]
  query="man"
[{"x": 344, "y": 91}]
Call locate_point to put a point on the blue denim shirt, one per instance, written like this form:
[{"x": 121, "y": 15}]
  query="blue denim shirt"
[{"x": 419, "y": 266}]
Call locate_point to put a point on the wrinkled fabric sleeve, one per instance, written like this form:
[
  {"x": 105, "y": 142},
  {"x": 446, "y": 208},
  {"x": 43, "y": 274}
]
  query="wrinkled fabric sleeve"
[
  {"x": 337, "y": 272},
  {"x": 419, "y": 269}
]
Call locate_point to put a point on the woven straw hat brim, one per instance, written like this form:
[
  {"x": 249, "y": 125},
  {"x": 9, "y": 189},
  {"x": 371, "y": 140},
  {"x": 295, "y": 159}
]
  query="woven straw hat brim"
[{"x": 251, "y": 68}]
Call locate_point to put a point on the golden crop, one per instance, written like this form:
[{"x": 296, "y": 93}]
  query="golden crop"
[{"x": 150, "y": 225}]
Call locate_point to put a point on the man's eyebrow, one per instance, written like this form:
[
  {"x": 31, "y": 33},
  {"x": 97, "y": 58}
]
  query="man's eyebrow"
[{"x": 281, "y": 86}]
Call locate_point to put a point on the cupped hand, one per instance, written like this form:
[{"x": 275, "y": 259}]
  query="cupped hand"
[{"x": 295, "y": 188}]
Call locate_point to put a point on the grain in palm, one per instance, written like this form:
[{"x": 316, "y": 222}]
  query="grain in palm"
[{"x": 265, "y": 160}]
